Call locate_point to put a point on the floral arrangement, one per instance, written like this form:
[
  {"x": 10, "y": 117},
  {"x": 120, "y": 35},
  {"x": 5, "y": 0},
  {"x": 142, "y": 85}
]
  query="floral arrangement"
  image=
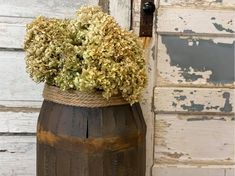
[{"x": 90, "y": 52}]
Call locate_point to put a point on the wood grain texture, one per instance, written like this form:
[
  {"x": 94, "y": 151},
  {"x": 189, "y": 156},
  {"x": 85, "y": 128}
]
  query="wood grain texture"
[
  {"x": 182, "y": 171},
  {"x": 194, "y": 100},
  {"x": 105, "y": 5},
  {"x": 198, "y": 140},
  {"x": 195, "y": 61},
  {"x": 16, "y": 86},
  {"x": 117, "y": 140},
  {"x": 136, "y": 16},
  {"x": 11, "y": 35},
  {"x": 121, "y": 10},
  {"x": 147, "y": 99},
  {"x": 208, "y": 4},
  {"x": 20, "y": 104},
  {"x": 150, "y": 46},
  {"x": 49, "y": 8},
  {"x": 18, "y": 122},
  {"x": 17, "y": 155},
  {"x": 195, "y": 50},
  {"x": 15, "y": 20},
  {"x": 12, "y": 29},
  {"x": 195, "y": 21}
]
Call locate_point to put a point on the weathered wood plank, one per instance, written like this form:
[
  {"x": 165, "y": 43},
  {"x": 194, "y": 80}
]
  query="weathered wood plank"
[
  {"x": 193, "y": 100},
  {"x": 146, "y": 101},
  {"x": 15, "y": 20},
  {"x": 182, "y": 171},
  {"x": 218, "y": 4},
  {"x": 50, "y": 8},
  {"x": 195, "y": 21},
  {"x": 105, "y": 5},
  {"x": 198, "y": 140},
  {"x": 18, "y": 122},
  {"x": 16, "y": 87},
  {"x": 121, "y": 10},
  {"x": 12, "y": 30},
  {"x": 136, "y": 16},
  {"x": 195, "y": 61},
  {"x": 20, "y": 104},
  {"x": 12, "y": 35},
  {"x": 17, "y": 156}
]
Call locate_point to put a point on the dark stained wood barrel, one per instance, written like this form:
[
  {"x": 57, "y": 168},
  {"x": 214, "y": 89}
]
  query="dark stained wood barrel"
[{"x": 80, "y": 141}]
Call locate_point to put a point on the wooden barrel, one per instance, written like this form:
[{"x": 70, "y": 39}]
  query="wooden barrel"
[{"x": 81, "y": 141}]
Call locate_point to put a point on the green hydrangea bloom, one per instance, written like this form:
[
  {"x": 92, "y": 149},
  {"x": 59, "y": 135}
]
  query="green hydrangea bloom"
[{"x": 88, "y": 53}]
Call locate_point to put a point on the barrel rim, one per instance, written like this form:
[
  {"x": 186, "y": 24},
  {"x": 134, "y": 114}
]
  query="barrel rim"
[{"x": 81, "y": 99}]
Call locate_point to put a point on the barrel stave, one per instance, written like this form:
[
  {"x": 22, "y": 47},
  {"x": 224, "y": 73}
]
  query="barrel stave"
[{"x": 80, "y": 141}]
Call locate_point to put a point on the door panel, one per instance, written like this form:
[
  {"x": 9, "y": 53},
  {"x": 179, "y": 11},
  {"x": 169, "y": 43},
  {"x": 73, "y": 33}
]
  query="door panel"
[
  {"x": 194, "y": 93},
  {"x": 195, "y": 61}
]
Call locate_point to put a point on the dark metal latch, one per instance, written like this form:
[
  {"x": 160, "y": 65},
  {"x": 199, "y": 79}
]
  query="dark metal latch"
[{"x": 146, "y": 18}]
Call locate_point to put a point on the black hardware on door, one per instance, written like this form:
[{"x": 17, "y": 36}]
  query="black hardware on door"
[{"x": 146, "y": 18}]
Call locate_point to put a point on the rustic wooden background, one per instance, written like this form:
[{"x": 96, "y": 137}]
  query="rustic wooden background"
[
  {"x": 188, "y": 104},
  {"x": 194, "y": 93}
]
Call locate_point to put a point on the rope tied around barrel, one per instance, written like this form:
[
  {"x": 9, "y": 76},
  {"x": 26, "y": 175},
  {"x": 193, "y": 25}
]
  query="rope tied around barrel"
[{"x": 78, "y": 98}]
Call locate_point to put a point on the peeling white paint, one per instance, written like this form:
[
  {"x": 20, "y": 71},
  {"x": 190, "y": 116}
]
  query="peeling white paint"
[
  {"x": 169, "y": 74},
  {"x": 186, "y": 170},
  {"x": 18, "y": 156},
  {"x": 195, "y": 21},
  {"x": 190, "y": 43},
  {"x": 189, "y": 141},
  {"x": 18, "y": 122},
  {"x": 204, "y": 139},
  {"x": 223, "y": 4},
  {"x": 173, "y": 74},
  {"x": 216, "y": 39},
  {"x": 194, "y": 100}
]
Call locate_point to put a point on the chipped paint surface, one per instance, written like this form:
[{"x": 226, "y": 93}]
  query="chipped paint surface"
[
  {"x": 192, "y": 171},
  {"x": 227, "y": 104},
  {"x": 121, "y": 10},
  {"x": 20, "y": 155},
  {"x": 149, "y": 44},
  {"x": 194, "y": 100},
  {"x": 193, "y": 107},
  {"x": 187, "y": 60},
  {"x": 147, "y": 100},
  {"x": 221, "y": 28},
  {"x": 194, "y": 94},
  {"x": 209, "y": 4},
  {"x": 199, "y": 21},
  {"x": 197, "y": 139}
]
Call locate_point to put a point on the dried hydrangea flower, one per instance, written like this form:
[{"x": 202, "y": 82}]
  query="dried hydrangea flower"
[
  {"x": 45, "y": 43},
  {"x": 88, "y": 53}
]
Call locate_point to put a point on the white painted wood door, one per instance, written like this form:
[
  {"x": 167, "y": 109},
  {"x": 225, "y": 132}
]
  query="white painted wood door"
[{"x": 194, "y": 88}]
